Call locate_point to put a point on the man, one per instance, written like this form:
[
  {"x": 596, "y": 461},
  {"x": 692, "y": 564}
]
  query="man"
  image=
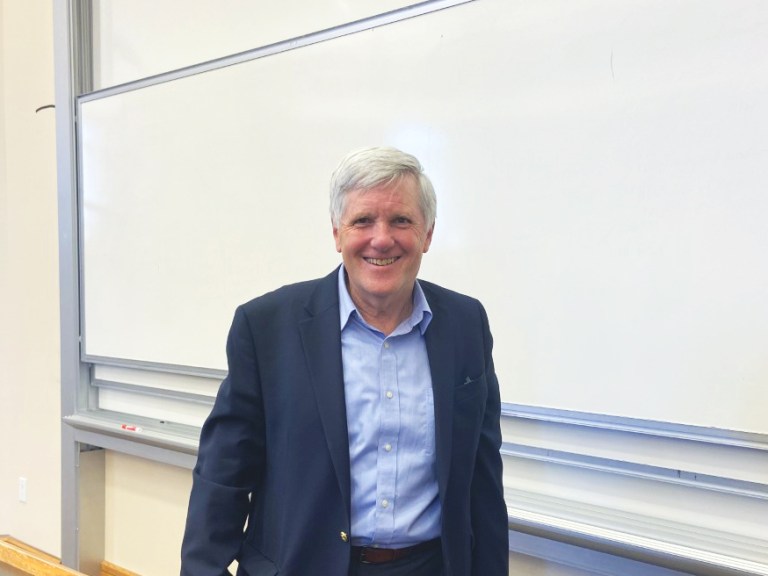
[{"x": 357, "y": 431}]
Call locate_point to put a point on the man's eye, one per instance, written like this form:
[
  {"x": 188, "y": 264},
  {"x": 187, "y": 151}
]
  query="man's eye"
[
  {"x": 361, "y": 221},
  {"x": 401, "y": 221}
]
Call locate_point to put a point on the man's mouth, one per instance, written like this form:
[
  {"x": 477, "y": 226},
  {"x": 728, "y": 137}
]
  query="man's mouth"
[{"x": 381, "y": 261}]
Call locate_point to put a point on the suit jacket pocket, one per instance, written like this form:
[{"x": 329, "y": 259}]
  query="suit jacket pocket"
[
  {"x": 468, "y": 409},
  {"x": 471, "y": 388},
  {"x": 253, "y": 563}
]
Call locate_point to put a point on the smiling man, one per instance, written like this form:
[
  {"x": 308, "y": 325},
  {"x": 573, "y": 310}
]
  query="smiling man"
[
  {"x": 357, "y": 431},
  {"x": 381, "y": 234}
]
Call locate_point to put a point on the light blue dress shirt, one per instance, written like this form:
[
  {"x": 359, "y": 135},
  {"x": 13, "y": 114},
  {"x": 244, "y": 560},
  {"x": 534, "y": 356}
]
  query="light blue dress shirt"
[{"x": 391, "y": 426}]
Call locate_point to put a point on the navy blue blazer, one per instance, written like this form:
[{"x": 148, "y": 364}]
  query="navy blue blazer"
[{"x": 274, "y": 450}]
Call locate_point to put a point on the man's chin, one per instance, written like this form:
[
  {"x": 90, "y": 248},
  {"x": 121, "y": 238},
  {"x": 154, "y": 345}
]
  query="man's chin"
[{"x": 378, "y": 290}]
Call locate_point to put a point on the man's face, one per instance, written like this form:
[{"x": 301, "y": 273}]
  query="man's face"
[{"x": 381, "y": 237}]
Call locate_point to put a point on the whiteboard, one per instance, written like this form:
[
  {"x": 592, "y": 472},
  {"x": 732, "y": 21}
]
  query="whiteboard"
[
  {"x": 140, "y": 38},
  {"x": 600, "y": 170}
]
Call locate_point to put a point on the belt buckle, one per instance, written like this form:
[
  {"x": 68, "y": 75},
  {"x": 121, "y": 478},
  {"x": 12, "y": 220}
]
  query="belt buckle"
[{"x": 362, "y": 559}]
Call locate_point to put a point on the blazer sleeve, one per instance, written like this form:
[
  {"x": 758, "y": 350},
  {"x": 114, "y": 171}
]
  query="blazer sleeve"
[
  {"x": 230, "y": 460},
  {"x": 490, "y": 525}
]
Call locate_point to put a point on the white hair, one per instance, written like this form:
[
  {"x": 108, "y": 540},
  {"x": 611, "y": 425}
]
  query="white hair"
[{"x": 371, "y": 167}]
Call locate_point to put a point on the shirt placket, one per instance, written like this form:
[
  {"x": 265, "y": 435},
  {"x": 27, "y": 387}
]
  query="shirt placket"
[{"x": 387, "y": 446}]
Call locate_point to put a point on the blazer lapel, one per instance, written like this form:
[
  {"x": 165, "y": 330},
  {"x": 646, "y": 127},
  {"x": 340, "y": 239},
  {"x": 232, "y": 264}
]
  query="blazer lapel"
[
  {"x": 321, "y": 340},
  {"x": 439, "y": 340}
]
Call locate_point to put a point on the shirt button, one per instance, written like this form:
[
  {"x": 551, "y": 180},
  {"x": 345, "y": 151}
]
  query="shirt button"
[
  {"x": 389, "y": 394},
  {"x": 384, "y": 503},
  {"x": 344, "y": 537},
  {"x": 388, "y": 447},
  {"x": 386, "y": 345}
]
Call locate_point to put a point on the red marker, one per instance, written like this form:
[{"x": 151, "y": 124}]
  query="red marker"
[{"x": 130, "y": 427}]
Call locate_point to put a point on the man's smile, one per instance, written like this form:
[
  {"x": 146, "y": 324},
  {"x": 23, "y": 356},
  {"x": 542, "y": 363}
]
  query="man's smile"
[{"x": 381, "y": 261}]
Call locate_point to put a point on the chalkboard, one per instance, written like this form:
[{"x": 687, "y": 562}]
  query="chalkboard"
[{"x": 600, "y": 170}]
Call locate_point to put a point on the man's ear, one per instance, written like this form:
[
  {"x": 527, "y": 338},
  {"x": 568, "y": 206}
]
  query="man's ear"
[
  {"x": 428, "y": 239},
  {"x": 336, "y": 236}
]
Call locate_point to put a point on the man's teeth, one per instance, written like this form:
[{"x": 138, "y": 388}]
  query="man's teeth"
[{"x": 381, "y": 261}]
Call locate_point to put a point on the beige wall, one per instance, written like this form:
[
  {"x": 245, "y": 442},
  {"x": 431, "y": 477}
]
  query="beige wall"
[
  {"x": 29, "y": 300},
  {"x": 146, "y": 506},
  {"x": 145, "y": 509}
]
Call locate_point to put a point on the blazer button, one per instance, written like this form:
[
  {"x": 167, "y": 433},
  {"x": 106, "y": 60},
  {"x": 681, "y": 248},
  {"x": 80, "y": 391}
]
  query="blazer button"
[{"x": 344, "y": 537}]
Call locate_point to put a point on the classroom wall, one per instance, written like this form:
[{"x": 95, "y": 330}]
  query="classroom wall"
[
  {"x": 146, "y": 508},
  {"x": 145, "y": 501},
  {"x": 29, "y": 299},
  {"x": 145, "y": 504}
]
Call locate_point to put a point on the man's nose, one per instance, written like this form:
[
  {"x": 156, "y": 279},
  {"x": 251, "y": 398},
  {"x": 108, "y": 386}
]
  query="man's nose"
[{"x": 382, "y": 238}]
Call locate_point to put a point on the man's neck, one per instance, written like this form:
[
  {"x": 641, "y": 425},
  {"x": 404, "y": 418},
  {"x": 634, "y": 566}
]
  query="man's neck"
[{"x": 385, "y": 315}]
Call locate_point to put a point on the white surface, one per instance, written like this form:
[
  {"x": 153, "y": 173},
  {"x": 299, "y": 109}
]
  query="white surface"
[
  {"x": 139, "y": 38},
  {"x": 22, "y": 489},
  {"x": 600, "y": 171}
]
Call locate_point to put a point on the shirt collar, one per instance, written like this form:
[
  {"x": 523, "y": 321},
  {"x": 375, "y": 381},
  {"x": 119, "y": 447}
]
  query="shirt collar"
[{"x": 421, "y": 315}]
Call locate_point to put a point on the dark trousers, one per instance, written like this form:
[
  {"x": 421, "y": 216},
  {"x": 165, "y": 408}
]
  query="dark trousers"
[{"x": 426, "y": 563}]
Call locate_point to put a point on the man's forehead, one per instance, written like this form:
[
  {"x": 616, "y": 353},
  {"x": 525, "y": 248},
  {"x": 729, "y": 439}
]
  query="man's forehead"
[{"x": 367, "y": 200}]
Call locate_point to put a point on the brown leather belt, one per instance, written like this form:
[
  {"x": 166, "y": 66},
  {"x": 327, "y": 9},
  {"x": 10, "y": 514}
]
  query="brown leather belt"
[{"x": 373, "y": 555}]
